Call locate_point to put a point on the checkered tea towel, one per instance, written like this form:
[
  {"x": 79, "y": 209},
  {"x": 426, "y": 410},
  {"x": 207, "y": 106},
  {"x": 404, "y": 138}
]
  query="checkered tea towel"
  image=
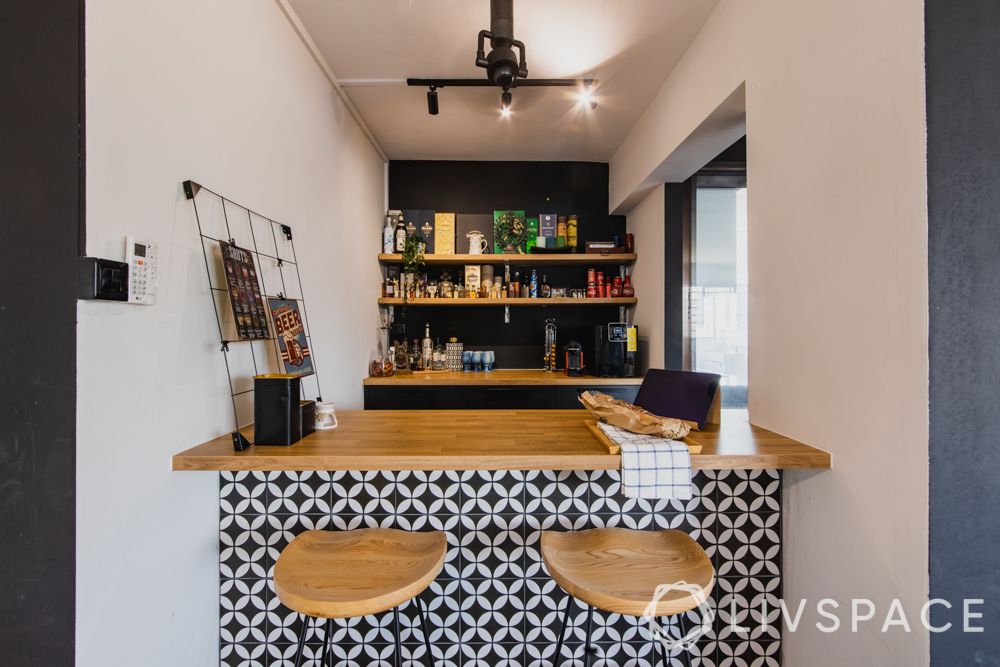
[{"x": 652, "y": 467}]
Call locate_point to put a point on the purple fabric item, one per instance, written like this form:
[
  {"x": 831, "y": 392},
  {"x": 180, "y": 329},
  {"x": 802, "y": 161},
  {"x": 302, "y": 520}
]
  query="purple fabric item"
[{"x": 679, "y": 394}]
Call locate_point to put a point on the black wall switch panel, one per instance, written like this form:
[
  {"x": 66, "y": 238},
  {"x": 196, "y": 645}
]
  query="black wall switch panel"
[{"x": 102, "y": 279}]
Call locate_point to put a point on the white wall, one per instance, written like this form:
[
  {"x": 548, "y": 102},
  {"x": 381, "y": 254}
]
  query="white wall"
[
  {"x": 226, "y": 94},
  {"x": 646, "y": 222},
  {"x": 838, "y": 283}
]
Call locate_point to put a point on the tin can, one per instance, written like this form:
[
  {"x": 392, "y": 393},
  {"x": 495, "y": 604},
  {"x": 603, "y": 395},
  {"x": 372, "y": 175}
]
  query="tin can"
[
  {"x": 591, "y": 291},
  {"x": 591, "y": 277},
  {"x": 561, "y": 226},
  {"x": 571, "y": 232}
]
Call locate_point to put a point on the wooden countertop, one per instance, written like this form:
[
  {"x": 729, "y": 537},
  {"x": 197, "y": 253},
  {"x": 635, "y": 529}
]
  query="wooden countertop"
[
  {"x": 486, "y": 440},
  {"x": 506, "y": 377}
]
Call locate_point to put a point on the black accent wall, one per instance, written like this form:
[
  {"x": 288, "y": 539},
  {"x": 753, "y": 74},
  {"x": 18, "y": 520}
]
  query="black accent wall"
[
  {"x": 41, "y": 190},
  {"x": 536, "y": 187},
  {"x": 963, "y": 176}
]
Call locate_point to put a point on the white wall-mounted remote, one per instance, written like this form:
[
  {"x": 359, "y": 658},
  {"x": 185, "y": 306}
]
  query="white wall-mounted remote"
[{"x": 142, "y": 262}]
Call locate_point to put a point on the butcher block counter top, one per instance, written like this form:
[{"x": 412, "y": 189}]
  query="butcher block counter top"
[
  {"x": 507, "y": 377},
  {"x": 487, "y": 440}
]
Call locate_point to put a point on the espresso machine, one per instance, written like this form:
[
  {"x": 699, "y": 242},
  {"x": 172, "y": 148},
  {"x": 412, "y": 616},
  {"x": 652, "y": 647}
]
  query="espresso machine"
[{"x": 616, "y": 348}]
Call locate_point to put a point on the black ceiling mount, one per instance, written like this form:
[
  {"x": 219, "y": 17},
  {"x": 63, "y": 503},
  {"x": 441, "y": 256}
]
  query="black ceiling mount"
[
  {"x": 504, "y": 68},
  {"x": 501, "y": 65}
]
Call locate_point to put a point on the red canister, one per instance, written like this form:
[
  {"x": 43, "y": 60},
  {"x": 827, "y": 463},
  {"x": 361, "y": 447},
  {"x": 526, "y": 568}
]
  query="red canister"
[
  {"x": 591, "y": 291},
  {"x": 591, "y": 276}
]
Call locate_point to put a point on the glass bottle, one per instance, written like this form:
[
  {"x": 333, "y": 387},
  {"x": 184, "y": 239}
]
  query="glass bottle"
[
  {"x": 546, "y": 288},
  {"x": 627, "y": 289},
  {"x": 388, "y": 236},
  {"x": 416, "y": 357},
  {"x": 533, "y": 285},
  {"x": 427, "y": 347},
  {"x": 400, "y": 238}
]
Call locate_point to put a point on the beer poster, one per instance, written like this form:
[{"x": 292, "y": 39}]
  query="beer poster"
[
  {"x": 291, "y": 336},
  {"x": 244, "y": 292}
]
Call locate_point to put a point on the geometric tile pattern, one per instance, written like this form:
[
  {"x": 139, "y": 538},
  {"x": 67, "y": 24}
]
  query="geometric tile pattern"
[{"x": 494, "y": 604}]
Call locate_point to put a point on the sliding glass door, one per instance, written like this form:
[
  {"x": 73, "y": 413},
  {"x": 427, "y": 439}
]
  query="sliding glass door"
[{"x": 717, "y": 300}]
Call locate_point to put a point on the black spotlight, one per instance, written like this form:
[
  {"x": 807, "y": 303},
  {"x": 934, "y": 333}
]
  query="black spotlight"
[
  {"x": 505, "y": 100},
  {"x": 432, "y": 101}
]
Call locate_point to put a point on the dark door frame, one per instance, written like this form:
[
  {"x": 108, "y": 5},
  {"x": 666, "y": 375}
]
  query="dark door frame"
[{"x": 42, "y": 190}]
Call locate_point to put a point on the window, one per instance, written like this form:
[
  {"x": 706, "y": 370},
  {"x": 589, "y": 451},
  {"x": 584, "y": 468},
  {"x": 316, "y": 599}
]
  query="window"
[{"x": 717, "y": 299}]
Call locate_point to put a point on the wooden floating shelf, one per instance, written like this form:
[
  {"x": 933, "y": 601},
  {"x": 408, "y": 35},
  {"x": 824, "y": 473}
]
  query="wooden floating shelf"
[
  {"x": 553, "y": 301},
  {"x": 568, "y": 259}
]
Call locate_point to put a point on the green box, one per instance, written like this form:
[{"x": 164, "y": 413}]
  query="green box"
[
  {"x": 532, "y": 238},
  {"x": 498, "y": 232}
]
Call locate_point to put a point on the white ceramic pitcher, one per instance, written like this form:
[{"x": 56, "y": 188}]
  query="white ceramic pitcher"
[{"x": 477, "y": 243}]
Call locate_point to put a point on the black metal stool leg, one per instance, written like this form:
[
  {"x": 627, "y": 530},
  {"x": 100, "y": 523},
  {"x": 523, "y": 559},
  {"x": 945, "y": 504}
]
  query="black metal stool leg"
[
  {"x": 327, "y": 639},
  {"x": 399, "y": 652},
  {"x": 586, "y": 640},
  {"x": 562, "y": 631},
  {"x": 302, "y": 640},
  {"x": 423, "y": 630},
  {"x": 682, "y": 626}
]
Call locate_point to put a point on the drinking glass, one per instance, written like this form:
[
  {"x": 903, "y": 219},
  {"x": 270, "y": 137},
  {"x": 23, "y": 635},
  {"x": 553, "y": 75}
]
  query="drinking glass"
[
  {"x": 489, "y": 359},
  {"x": 477, "y": 360},
  {"x": 466, "y": 360}
]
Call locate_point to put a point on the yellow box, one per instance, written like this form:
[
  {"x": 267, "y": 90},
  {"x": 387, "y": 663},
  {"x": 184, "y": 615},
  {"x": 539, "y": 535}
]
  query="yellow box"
[{"x": 444, "y": 233}]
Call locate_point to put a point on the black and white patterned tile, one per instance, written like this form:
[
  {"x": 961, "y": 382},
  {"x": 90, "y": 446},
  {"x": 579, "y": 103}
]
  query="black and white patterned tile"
[{"x": 493, "y": 603}]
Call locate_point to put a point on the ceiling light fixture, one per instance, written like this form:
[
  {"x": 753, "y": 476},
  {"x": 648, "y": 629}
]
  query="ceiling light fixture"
[
  {"x": 432, "y": 101},
  {"x": 504, "y": 68},
  {"x": 505, "y": 101},
  {"x": 586, "y": 96}
]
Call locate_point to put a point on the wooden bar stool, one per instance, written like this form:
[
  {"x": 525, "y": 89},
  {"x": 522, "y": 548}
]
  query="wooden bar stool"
[
  {"x": 326, "y": 574},
  {"x": 617, "y": 570}
]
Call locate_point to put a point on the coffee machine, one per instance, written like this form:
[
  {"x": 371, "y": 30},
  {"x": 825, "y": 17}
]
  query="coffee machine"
[{"x": 616, "y": 347}]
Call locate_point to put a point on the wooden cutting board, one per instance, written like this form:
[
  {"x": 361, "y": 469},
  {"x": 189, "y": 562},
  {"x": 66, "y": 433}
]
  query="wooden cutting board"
[{"x": 613, "y": 447}]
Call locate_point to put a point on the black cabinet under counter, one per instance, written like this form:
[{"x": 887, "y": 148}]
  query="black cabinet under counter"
[{"x": 497, "y": 390}]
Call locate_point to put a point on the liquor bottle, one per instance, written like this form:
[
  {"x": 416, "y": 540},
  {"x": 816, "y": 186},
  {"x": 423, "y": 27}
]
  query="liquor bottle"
[
  {"x": 388, "y": 236},
  {"x": 416, "y": 356},
  {"x": 515, "y": 286},
  {"x": 427, "y": 346},
  {"x": 533, "y": 285},
  {"x": 546, "y": 288},
  {"x": 400, "y": 237},
  {"x": 389, "y": 290}
]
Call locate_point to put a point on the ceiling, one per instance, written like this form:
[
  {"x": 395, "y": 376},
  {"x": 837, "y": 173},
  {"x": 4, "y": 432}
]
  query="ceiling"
[{"x": 630, "y": 46}]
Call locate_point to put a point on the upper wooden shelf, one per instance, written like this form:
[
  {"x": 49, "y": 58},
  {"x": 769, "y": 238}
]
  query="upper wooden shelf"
[
  {"x": 570, "y": 259},
  {"x": 552, "y": 301},
  {"x": 502, "y": 377},
  {"x": 488, "y": 440}
]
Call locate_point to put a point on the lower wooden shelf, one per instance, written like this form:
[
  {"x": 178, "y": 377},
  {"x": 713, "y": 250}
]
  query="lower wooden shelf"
[{"x": 553, "y": 301}]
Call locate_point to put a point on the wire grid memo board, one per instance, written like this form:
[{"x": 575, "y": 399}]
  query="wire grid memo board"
[{"x": 270, "y": 243}]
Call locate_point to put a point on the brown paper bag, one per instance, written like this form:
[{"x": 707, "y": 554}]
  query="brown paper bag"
[{"x": 632, "y": 417}]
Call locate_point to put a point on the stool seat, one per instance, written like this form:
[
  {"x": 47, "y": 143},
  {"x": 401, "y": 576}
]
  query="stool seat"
[
  {"x": 617, "y": 570},
  {"x": 329, "y": 574}
]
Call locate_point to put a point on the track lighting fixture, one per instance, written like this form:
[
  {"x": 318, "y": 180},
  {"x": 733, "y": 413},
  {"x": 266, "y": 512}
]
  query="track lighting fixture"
[
  {"x": 505, "y": 101},
  {"x": 586, "y": 96},
  {"x": 432, "y": 101},
  {"x": 506, "y": 65}
]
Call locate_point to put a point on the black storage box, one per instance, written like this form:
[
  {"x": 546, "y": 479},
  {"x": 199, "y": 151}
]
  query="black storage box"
[
  {"x": 277, "y": 409},
  {"x": 307, "y": 412}
]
